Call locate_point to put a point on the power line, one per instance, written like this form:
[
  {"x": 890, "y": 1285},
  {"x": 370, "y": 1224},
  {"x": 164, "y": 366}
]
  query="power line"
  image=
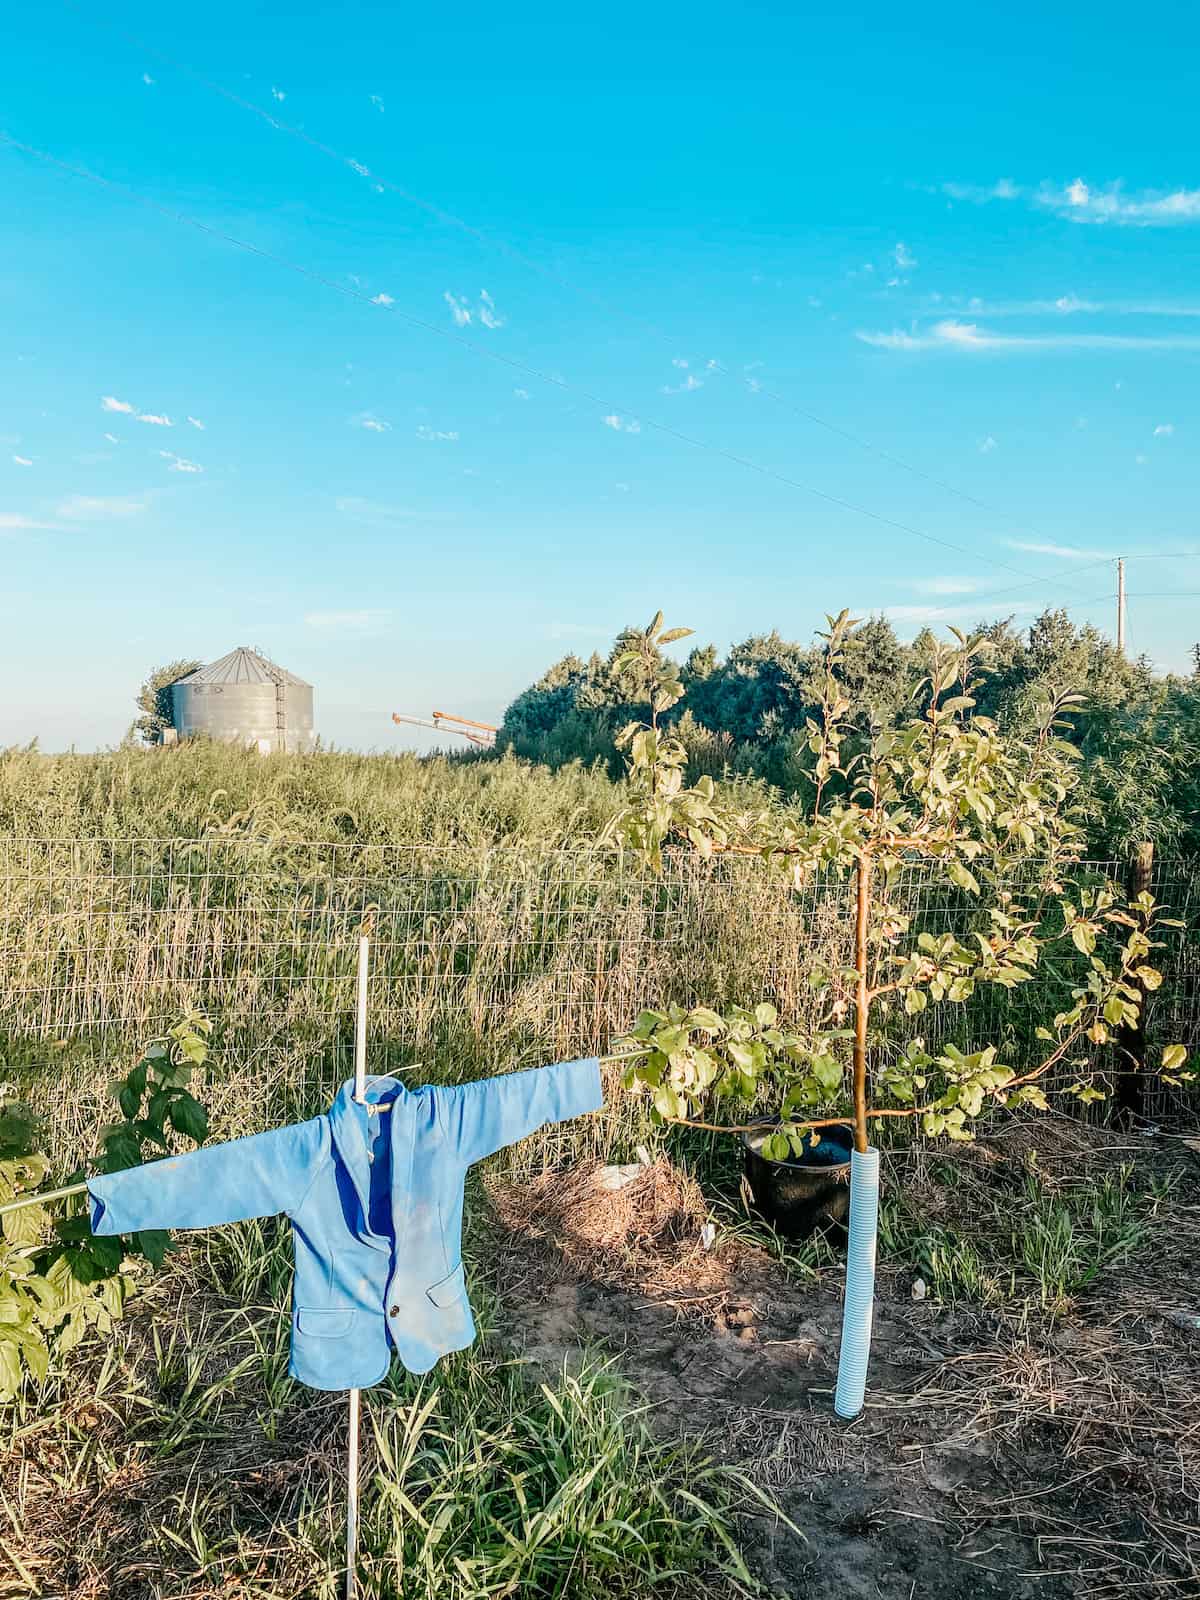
[
  {"x": 1142, "y": 594},
  {"x": 510, "y": 362},
  {"x": 756, "y": 386}
]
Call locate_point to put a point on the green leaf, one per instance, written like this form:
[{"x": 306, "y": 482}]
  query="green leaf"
[
  {"x": 707, "y": 1020},
  {"x": 647, "y": 1023},
  {"x": 189, "y": 1117},
  {"x": 963, "y": 877},
  {"x": 1083, "y": 936},
  {"x": 154, "y": 1244},
  {"x": 666, "y": 1102},
  {"x": 765, "y": 1014}
]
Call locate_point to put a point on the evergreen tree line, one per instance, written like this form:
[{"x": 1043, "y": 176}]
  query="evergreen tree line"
[{"x": 743, "y": 717}]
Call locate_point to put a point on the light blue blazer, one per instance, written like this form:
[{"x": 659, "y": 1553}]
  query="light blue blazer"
[{"x": 375, "y": 1200}]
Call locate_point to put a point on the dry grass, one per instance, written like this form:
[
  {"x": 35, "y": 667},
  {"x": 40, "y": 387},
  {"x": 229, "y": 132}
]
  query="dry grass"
[
  {"x": 645, "y": 1232},
  {"x": 1093, "y": 1398}
]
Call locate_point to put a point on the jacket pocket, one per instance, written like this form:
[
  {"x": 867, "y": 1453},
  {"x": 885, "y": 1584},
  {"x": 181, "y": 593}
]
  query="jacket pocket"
[
  {"x": 324, "y": 1324},
  {"x": 449, "y": 1290}
]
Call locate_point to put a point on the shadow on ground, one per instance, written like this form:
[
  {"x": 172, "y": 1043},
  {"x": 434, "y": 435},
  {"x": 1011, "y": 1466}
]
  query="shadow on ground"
[{"x": 998, "y": 1455}]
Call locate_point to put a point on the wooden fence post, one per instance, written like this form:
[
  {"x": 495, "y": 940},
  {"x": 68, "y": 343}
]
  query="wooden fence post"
[{"x": 1131, "y": 1041}]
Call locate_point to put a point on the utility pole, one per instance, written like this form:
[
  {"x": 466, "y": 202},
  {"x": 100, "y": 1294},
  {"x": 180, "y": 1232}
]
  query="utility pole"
[{"x": 1121, "y": 604}]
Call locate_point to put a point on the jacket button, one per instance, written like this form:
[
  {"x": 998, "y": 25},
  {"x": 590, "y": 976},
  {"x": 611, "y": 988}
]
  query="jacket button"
[{"x": 394, "y": 1311}]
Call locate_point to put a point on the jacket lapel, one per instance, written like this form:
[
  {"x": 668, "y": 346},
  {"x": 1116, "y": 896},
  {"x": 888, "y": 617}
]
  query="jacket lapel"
[{"x": 347, "y": 1124}]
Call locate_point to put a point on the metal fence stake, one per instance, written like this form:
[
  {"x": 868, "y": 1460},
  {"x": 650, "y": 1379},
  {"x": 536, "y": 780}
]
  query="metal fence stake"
[{"x": 360, "y": 1088}]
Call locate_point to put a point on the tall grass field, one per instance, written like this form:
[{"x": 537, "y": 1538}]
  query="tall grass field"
[{"x": 174, "y": 1457}]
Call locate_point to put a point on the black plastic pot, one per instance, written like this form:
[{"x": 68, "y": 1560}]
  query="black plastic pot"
[{"x": 808, "y": 1194}]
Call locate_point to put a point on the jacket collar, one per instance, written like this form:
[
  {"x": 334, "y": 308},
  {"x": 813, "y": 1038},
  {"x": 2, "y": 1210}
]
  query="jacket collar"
[{"x": 348, "y": 1122}]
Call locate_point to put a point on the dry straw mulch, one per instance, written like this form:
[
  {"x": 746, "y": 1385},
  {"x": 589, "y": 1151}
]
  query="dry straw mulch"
[{"x": 646, "y": 1233}]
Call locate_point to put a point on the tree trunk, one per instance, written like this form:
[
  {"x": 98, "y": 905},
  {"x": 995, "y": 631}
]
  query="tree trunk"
[
  {"x": 862, "y": 1002},
  {"x": 1131, "y": 1041}
]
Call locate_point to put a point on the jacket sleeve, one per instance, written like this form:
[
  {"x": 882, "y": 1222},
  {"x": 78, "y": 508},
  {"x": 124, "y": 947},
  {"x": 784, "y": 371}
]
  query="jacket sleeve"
[
  {"x": 480, "y": 1118},
  {"x": 253, "y": 1177}
]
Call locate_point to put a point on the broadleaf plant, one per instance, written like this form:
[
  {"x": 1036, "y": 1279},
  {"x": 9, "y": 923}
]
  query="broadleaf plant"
[
  {"x": 988, "y": 818},
  {"x": 57, "y": 1280}
]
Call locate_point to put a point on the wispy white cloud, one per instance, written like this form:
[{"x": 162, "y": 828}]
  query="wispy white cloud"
[
  {"x": 147, "y": 79},
  {"x": 179, "y": 463},
  {"x": 951, "y": 334},
  {"x": 485, "y": 313},
  {"x": 111, "y": 403},
  {"x": 346, "y": 621},
  {"x": 689, "y": 384},
  {"x": 904, "y": 258},
  {"x": 987, "y": 445},
  {"x": 382, "y": 299},
  {"x": 377, "y": 102},
  {"x": 196, "y": 423},
  {"x": 521, "y": 394},
  {"x": 372, "y": 423},
  {"x": 112, "y": 438},
  {"x": 1067, "y": 305},
  {"x": 944, "y": 585},
  {"x": 94, "y": 508},
  {"x": 25, "y": 461},
  {"x": 18, "y": 522},
  {"x": 1060, "y": 552},
  {"x": 678, "y": 361},
  {"x": 425, "y": 432},
  {"x": 621, "y": 424},
  {"x": 1151, "y": 208},
  {"x": 1164, "y": 430},
  {"x": 981, "y": 193},
  {"x": 156, "y": 419},
  {"x": 1079, "y": 201},
  {"x": 278, "y": 94}
]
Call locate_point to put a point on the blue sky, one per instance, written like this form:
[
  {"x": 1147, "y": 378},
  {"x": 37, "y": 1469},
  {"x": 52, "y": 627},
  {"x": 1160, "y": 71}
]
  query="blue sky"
[{"x": 594, "y": 315}]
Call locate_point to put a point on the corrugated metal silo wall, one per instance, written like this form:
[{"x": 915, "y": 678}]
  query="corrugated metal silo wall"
[
  {"x": 300, "y": 734},
  {"x": 243, "y": 713}
]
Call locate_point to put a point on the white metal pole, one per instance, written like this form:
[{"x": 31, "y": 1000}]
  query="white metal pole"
[
  {"x": 360, "y": 1094},
  {"x": 1121, "y": 604}
]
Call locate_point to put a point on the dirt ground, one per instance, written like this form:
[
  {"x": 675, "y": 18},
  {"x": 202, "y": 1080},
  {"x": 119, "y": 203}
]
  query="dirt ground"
[{"x": 1000, "y": 1454}]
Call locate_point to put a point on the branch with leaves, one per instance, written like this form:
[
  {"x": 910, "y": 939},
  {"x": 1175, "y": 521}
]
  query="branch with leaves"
[
  {"x": 988, "y": 820},
  {"x": 57, "y": 1280}
]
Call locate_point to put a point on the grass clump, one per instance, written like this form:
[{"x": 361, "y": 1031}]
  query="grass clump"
[
  {"x": 1037, "y": 1238},
  {"x": 485, "y": 1486}
]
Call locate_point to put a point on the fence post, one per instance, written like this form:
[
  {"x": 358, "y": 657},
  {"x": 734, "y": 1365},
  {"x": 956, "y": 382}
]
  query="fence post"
[{"x": 1131, "y": 1041}]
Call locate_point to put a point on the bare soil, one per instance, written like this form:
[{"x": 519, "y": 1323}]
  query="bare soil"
[{"x": 1002, "y": 1453}]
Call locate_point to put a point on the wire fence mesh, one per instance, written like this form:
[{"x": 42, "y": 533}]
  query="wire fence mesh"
[{"x": 515, "y": 954}]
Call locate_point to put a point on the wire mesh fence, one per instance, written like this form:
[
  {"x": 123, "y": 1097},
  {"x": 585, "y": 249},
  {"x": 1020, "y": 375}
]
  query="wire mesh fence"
[{"x": 513, "y": 954}]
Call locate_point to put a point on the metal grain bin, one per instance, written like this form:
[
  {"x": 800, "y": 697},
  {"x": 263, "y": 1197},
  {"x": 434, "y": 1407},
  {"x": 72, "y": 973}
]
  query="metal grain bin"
[{"x": 245, "y": 699}]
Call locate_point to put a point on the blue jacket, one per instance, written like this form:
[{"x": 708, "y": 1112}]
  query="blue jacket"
[{"x": 375, "y": 1199}]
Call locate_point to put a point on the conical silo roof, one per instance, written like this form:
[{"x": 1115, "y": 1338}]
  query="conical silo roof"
[{"x": 244, "y": 665}]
